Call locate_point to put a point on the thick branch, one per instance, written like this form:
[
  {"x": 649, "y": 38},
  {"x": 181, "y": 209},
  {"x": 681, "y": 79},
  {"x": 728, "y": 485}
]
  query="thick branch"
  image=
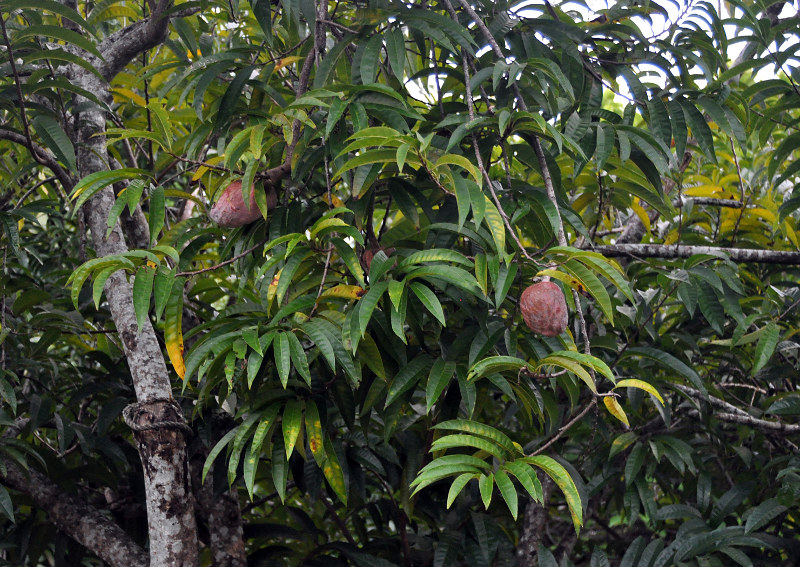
[
  {"x": 674, "y": 252},
  {"x": 732, "y": 414},
  {"x": 727, "y": 203},
  {"x": 82, "y": 522},
  {"x": 43, "y": 156}
]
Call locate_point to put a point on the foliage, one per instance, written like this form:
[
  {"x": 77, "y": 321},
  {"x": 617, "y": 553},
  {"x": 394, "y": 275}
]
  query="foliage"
[{"x": 382, "y": 401}]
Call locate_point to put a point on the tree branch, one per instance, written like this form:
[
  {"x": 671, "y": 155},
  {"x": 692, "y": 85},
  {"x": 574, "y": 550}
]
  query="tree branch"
[
  {"x": 74, "y": 517},
  {"x": 674, "y": 252},
  {"x": 42, "y": 156},
  {"x": 732, "y": 414}
]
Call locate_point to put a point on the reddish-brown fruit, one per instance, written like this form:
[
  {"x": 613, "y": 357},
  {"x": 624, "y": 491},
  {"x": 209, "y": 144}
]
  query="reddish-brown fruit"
[
  {"x": 230, "y": 210},
  {"x": 369, "y": 254},
  {"x": 544, "y": 309}
]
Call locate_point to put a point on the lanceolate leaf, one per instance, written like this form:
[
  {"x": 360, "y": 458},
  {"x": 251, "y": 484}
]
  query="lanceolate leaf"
[
  {"x": 173, "y": 331},
  {"x": 56, "y": 139},
  {"x": 766, "y": 346},
  {"x": 564, "y": 481}
]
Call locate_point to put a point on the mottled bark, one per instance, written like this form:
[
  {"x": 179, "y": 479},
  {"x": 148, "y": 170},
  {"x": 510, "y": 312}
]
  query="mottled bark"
[
  {"x": 681, "y": 251},
  {"x": 73, "y": 516},
  {"x": 162, "y": 447},
  {"x": 222, "y": 516},
  {"x": 532, "y": 526}
]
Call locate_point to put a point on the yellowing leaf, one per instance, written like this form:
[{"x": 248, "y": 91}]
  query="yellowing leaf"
[
  {"x": 287, "y": 61},
  {"x": 642, "y": 214},
  {"x": 173, "y": 333},
  {"x": 615, "y": 409},
  {"x": 641, "y": 384},
  {"x": 344, "y": 291}
]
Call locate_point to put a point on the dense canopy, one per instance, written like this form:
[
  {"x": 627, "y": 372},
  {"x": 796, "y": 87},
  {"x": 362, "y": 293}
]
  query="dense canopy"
[{"x": 263, "y": 269}]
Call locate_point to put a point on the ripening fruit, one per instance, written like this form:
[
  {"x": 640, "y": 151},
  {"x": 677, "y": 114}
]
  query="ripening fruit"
[
  {"x": 230, "y": 211},
  {"x": 544, "y": 309},
  {"x": 369, "y": 253}
]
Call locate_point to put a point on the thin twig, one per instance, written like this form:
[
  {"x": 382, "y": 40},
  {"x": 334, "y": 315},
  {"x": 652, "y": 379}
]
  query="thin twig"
[
  {"x": 226, "y": 262},
  {"x": 566, "y": 427},
  {"x": 31, "y": 190},
  {"x": 481, "y": 166}
]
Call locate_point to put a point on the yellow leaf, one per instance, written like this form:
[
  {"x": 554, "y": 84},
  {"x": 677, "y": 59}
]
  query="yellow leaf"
[
  {"x": 704, "y": 191},
  {"x": 173, "y": 333},
  {"x": 344, "y": 291},
  {"x": 641, "y": 384},
  {"x": 287, "y": 61},
  {"x": 127, "y": 95},
  {"x": 615, "y": 409},
  {"x": 642, "y": 214}
]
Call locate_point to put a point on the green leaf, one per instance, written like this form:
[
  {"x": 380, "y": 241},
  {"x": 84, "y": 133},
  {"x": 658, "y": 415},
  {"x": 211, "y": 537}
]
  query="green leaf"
[
  {"x": 94, "y": 182},
  {"x": 142, "y": 289},
  {"x": 368, "y": 303},
  {"x": 668, "y": 361},
  {"x": 564, "y": 481},
  {"x": 496, "y": 226},
  {"x": 6, "y": 505},
  {"x": 699, "y": 129},
  {"x": 250, "y": 465},
  {"x": 299, "y": 359},
  {"x": 157, "y": 213},
  {"x": 57, "y": 32},
  {"x": 508, "y": 492},
  {"x": 214, "y": 453},
  {"x": 482, "y": 430},
  {"x": 429, "y": 300},
  {"x": 407, "y": 378},
  {"x": 458, "y": 485},
  {"x": 54, "y": 137},
  {"x": 280, "y": 348},
  {"x": 766, "y": 346},
  {"x": 99, "y": 284},
  {"x": 494, "y": 364},
  {"x": 527, "y": 478},
  {"x": 396, "y": 49},
  {"x": 593, "y": 285},
  {"x": 332, "y": 470},
  {"x": 440, "y": 375},
  {"x": 763, "y": 514},
  {"x": 230, "y": 99},
  {"x": 162, "y": 287},
  {"x": 486, "y": 487},
  {"x": 459, "y": 440},
  {"x": 291, "y": 422},
  {"x": 239, "y": 440},
  {"x": 316, "y": 333}
]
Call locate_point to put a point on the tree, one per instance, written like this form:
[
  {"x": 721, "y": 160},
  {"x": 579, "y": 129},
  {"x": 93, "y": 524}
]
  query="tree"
[{"x": 294, "y": 335}]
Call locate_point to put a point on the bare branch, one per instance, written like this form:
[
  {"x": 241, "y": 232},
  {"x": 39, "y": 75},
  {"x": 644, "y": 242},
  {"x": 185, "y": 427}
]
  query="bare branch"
[
  {"x": 732, "y": 414},
  {"x": 674, "y": 252},
  {"x": 74, "y": 517},
  {"x": 710, "y": 201},
  {"x": 42, "y": 155}
]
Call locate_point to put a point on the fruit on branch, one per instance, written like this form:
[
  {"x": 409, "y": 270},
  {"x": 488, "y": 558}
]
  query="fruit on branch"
[
  {"x": 369, "y": 254},
  {"x": 544, "y": 309},
  {"x": 230, "y": 210}
]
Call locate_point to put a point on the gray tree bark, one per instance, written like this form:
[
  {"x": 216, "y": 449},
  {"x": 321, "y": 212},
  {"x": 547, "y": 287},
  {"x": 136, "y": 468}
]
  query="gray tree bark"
[
  {"x": 682, "y": 251},
  {"x": 162, "y": 446}
]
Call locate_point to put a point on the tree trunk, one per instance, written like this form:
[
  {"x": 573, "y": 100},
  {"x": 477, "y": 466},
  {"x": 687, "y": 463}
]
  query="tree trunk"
[{"x": 156, "y": 419}]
